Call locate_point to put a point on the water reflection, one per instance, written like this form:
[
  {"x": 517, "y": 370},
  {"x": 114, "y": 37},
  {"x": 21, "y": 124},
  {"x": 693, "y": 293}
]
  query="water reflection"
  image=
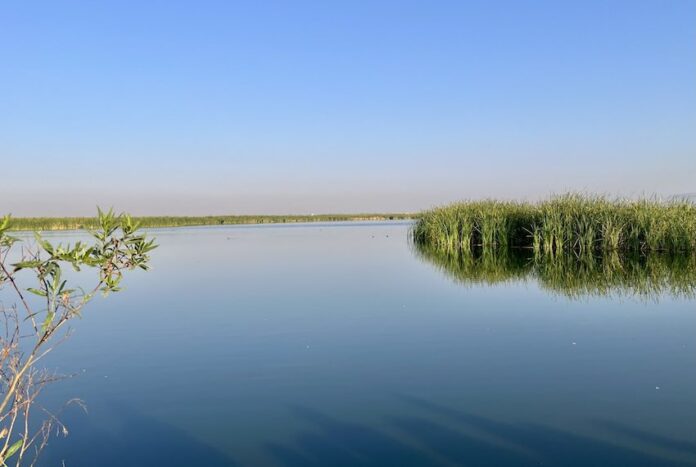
[
  {"x": 422, "y": 433},
  {"x": 115, "y": 434},
  {"x": 645, "y": 276},
  {"x": 438, "y": 435}
]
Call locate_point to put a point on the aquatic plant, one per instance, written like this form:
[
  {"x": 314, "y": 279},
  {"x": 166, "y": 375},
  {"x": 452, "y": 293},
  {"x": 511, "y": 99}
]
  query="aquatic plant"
[
  {"x": 561, "y": 225},
  {"x": 41, "y": 318}
]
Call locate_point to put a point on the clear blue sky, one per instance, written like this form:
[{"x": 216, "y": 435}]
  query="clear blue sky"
[{"x": 173, "y": 107}]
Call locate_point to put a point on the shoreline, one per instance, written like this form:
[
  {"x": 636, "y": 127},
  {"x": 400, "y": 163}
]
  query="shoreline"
[{"x": 54, "y": 224}]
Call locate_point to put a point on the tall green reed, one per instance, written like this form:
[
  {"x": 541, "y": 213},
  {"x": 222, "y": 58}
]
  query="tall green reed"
[{"x": 560, "y": 225}]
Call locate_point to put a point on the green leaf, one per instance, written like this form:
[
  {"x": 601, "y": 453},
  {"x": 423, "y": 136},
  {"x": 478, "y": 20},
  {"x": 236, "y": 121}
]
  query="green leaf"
[
  {"x": 40, "y": 293},
  {"x": 45, "y": 244},
  {"x": 5, "y": 223},
  {"x": 27, "y": 264},
  {"x": 47, "y": 322},
  {"x": 14, "y": 448}
]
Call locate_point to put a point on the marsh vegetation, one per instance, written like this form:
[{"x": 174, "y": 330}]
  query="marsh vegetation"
[
  {"x": 573, "y": 245},
  {"x": 569, "y": 223},
  {"x": 78, "y": 223}
]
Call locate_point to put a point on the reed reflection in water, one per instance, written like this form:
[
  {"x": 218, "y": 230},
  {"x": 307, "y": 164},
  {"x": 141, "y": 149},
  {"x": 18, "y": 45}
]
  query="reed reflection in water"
[{"x": 646, "y": 276}]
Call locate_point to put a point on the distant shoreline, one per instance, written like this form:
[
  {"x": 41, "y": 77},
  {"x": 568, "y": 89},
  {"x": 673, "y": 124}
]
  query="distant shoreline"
[{"x": 78, "y": 223}]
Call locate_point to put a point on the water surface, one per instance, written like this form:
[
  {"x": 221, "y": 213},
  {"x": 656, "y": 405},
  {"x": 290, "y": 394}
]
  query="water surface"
[{"x": 334, "y": 344}]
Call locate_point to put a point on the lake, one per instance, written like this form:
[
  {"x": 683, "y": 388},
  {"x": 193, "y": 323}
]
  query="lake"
[{"x": 336, "y": 344}]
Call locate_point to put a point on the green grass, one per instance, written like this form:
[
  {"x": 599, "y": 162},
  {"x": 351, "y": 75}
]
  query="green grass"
[
  {"x": 76, "y": 223},
  {"x": 563, "y": 224}
]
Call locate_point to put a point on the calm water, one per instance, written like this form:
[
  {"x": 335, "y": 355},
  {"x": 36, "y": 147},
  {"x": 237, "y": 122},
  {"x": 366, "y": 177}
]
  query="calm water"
[{"x": 336, "y": 345}]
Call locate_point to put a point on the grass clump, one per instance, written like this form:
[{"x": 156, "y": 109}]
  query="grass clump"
[{"x": 563, "y": 224}]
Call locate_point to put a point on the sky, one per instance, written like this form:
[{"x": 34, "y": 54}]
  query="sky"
[{"x": 242, "y": 107}]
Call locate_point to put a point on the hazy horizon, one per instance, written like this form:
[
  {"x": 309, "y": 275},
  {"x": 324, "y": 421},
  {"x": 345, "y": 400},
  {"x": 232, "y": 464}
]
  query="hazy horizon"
[
  {"x": 311, "y": 107},
  {"x": 77, "y": 206}
]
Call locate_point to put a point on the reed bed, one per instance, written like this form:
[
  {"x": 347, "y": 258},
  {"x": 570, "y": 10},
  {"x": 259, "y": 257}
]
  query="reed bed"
[
  {"x": 563, "y": 224},
  {"x": 77, "y": 223}
]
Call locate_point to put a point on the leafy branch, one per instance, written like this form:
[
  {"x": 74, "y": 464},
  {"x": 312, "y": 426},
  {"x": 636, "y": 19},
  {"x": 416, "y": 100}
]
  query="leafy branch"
[{"x": 117, "y": 246}]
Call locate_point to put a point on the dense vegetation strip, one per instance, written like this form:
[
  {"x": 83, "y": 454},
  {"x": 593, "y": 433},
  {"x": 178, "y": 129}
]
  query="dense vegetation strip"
[
  {"x": 74, "y": 223},
  {"x": 567, "y": 223}
]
